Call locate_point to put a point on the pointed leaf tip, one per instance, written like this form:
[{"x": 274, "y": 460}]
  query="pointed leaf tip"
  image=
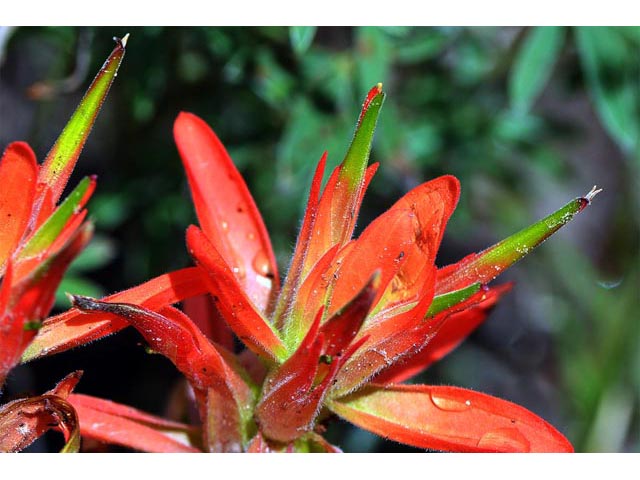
[
  {"x": 371, "y": 96},
  {"x": 62, "y": 157},
  {"x": 483, "y": 267},
  {"x": 122, "y": 41}
]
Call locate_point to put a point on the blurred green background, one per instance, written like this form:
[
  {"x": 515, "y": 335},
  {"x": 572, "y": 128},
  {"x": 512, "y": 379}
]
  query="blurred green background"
[{"x": 526, "y": 118}]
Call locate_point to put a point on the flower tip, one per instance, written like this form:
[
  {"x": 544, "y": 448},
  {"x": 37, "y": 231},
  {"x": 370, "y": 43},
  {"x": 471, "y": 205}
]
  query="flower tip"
[
  {"x": 379, "y": 87},
  {"x": 85, "y": 304},
  {"x": 123, "y": 41},
  {"x": 592, "y": 193},
  {"x": 185, "y": 120},
  {"x": 72, "y": 298}
]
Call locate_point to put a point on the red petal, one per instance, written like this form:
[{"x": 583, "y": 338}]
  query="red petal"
[
  {"x": 47, "y": 207},
  {"x": 226, "y": 211},
  {"x": 312, "y": 295},
  {"x": 11, "y": 328},
  {"x": 224, "y": 398},
  {"x": 333, "y": 224},
  {"x": 450, "y": 419},
  {"x": 18, "y": 172},
  {"x": 340, "y": 330},
  {"x": 258, "y": 445},
  {"x": 453, "y": 331},
  {"x": 385, "y": 342},
  {"x": 382, "y": 247},
  {"x": 122, "y": 425},
  {"x": 292, "y": 394},
  {"x": 239, "y": 312},
  {"x": 432, "y": 204},
  {"x": 23, "y": 421},
  {"x": 296, "y": 275},
  {"x": 73, "y": 328},
  {"x": 38, "y": 296},
  {"x": 289, "y": 404}
]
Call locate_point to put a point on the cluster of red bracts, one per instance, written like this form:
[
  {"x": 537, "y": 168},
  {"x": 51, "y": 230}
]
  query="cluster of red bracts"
[
  {"x": 353, "y": 318},
  {"x": 39, "y": 238}
]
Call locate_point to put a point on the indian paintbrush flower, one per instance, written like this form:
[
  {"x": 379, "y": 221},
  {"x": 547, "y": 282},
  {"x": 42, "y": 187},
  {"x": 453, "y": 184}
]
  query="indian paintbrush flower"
[{"x": 352, "y": 320}]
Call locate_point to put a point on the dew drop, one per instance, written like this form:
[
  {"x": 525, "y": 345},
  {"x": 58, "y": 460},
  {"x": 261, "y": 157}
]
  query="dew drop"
[
  {"x": 239, "y": 266},
  {"x": 238, "y": 271},
  {"x": 251, "y": 236},
  {"x": 224, "y": 225},
  {"x": 507, "y": 439},
  {"x": 449, "y": 404},
  {"x": 261, "y": 264}
]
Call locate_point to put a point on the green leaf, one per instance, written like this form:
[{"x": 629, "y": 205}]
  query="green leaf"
[
  {"x": 611, "y": 68},
  {"x": 533, "y": 65},
  {"x": 49, "y": 230},
  {"x": 448, "y": 300},
  {"x": 487, "y": 265},
  {"x": 355, "y": 162},
  {"x": 62, "y": 157},
  {"x": 301, "y": 38}
]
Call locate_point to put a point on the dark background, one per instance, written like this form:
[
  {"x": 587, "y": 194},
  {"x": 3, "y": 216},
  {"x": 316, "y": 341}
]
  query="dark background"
[{"x": 526, "y": 118}]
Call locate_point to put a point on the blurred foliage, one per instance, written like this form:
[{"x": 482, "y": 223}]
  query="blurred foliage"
[{"x": 526, "y": 118}]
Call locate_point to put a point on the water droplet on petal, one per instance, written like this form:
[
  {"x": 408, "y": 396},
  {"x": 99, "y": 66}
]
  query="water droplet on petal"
[
  {"x": 238, "y": 271},
  {"x": 224, "y": 225},
  {"x": 261, "y": 264},
  {"x": 251, "y": 236},
  {"x": 505, "y": 440},
  {"x": 449, "y": 404}
]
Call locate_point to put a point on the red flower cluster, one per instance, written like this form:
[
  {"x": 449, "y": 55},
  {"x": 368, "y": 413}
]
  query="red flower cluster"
[{"x": 352, "y": 320}]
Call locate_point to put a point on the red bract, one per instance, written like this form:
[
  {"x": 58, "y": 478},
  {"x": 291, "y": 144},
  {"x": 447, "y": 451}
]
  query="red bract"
[{"x": 352, "y": 319}]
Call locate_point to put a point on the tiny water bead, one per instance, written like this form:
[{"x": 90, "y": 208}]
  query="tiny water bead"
[
  {"x": 449, "y": 404},
  {"x": 504, "y": 440},
  {"x": 261, "y": 264}
]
